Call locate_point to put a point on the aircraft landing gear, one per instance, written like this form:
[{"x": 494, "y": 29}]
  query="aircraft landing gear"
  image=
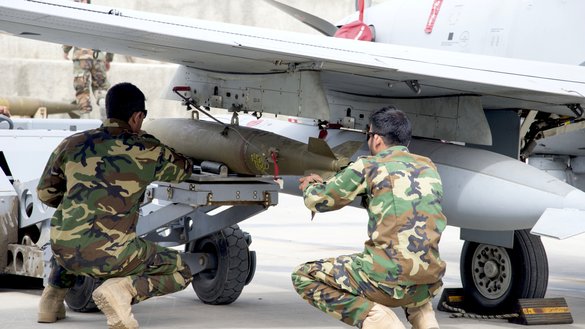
[
  {"x": 235, "y": 266},
  {"x": 494, "y": 278}
]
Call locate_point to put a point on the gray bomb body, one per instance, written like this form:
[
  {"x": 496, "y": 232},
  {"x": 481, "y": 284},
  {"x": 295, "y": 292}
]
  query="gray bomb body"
[{"x": 244, "y": 150}]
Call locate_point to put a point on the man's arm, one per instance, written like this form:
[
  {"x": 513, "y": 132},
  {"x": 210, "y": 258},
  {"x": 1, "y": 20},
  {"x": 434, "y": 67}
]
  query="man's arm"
[
  {"x": 52, "y": 184},
  {"x": 312, "y": 178},
  {"x": 338, "y": 191},
  {"x": 172, "y": 166}
]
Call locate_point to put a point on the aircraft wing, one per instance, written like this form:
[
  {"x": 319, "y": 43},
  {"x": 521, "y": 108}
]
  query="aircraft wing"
[{"x": 346, "y": 67}]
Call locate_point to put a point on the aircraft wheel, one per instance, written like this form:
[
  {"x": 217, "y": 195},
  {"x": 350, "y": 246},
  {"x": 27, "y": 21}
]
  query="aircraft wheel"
[
  {"x": 224, "y": 284},
  {"x": 79, "y": 297},
  {"x": 494, "y": 278}
]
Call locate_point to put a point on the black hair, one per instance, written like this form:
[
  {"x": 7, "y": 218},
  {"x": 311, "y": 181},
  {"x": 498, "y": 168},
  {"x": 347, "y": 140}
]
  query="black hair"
[
  {"x": 392, "y": 125},
  {"x": 122, "y": 100}
]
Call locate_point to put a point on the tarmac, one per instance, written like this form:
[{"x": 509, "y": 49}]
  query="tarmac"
[{"x": 283, "y": 237}]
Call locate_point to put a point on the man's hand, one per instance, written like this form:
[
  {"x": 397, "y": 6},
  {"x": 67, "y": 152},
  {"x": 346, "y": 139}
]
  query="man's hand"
[
  {"x": 305, "y": 181},
  {"x": 107, "y": 65},
  {"x": 4, "y": 111}
]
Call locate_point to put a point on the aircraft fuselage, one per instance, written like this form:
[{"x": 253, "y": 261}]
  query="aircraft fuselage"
[{"x": 549, "y": 31}]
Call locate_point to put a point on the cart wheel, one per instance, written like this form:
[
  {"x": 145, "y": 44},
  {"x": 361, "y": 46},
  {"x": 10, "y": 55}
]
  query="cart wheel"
[
  {"x": 223, "y": 284},
  {"x": 79, "y": 298}
]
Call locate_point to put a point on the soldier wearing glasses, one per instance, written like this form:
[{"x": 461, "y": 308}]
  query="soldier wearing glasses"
[
  {"x": 400, "y": 265},
  {"x": 96, "y": 180}
]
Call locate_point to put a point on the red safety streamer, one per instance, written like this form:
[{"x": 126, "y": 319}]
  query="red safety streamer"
[
  {"x": 276, "y": 170},
  {"x": 356, "y": 30},
  {"x": 433, "y": 16}
]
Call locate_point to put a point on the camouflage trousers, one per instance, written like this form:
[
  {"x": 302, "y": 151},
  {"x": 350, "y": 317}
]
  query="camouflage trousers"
[
  {"x": 342, "y": 290},
  {"x": 84, "y": 72},
  {"x": 161, "y": 271}
]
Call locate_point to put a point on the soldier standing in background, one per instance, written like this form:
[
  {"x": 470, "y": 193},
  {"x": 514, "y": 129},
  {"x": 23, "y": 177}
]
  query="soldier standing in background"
[
  {"x": 89, "y": 65},
  {"x": 400, "y": 265},
  {"x": 96, "y": 180}
]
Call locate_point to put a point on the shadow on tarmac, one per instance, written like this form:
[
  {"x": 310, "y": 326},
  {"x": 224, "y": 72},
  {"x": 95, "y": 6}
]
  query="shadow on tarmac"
[{"x": 11, "y": 282}]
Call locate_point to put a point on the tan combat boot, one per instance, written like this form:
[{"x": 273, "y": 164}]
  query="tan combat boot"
[
  {"x": 114, "y": 299},
  {"x": 51, "y": 307},
  {"x": 422, "y": 317},
  {"x": 382, "y": 317}
]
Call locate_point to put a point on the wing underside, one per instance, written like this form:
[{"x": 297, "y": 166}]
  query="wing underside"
[{"x": 346, "y": 69}]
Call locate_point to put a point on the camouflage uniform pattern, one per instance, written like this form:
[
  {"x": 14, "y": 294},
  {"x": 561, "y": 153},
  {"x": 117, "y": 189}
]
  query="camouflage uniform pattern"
[
  {"x": 96, "y": 180},
  {"x": 400, "y": 264},
  {"x": 88, "y": 68}
]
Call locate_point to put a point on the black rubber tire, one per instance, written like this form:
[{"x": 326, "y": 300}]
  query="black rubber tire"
[
  {"x": 252, "y": 270},
  {"x": 528, "y": 270},
  {"x": 224, "y": 284},
  {"x": 79, "y": 297}
]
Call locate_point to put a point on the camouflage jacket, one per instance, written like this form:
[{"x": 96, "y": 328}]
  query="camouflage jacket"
[
  {"x": 86, "y": 53},
  {"x": 96, "y": 180},
  {"x": 403, "y": 193}
]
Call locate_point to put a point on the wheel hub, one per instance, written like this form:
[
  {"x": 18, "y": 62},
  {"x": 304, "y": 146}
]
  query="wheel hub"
[{"x": 492, "y": 270}]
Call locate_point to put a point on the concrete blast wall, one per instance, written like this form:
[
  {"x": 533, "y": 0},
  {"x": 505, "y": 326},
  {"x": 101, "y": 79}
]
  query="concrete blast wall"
[{"x": 37, "y": 69}]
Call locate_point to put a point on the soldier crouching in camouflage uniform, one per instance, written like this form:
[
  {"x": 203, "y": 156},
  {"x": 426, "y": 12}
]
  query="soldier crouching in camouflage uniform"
[
  {"x": 96, "y": 180},
  {"x": 400, "y": 265}
]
